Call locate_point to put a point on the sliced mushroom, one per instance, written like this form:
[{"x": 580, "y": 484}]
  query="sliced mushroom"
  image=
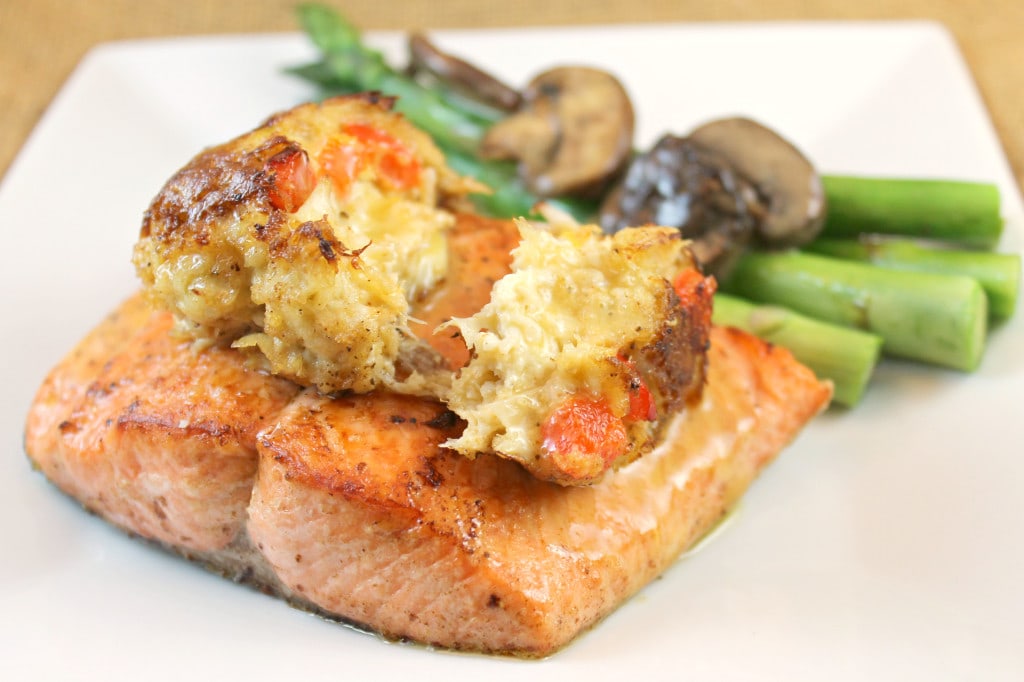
[
  {"x": 573, "y": 134},
  {"x": 460, "y": 74},
  {"x": 786, "y": 182},
  {"x": 679, "y": 183}
]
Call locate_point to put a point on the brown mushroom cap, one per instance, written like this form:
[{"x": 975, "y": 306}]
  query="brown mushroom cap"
[
  {"x": 678, "y": 183},
  {"x": 573, "y": 134},
  {"x": 460, "y": 74},
  {"x": 789, "y": 187}
]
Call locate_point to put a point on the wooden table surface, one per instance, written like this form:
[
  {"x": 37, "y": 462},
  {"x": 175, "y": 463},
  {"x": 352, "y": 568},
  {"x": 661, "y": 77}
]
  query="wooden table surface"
[{"x": 42, "y": 40}]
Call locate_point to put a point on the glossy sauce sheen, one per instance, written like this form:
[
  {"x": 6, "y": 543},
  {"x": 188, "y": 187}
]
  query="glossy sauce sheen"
[{"x": 350, "y": 505}]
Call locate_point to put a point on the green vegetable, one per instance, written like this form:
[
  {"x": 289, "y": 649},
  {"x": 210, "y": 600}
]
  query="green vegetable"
[
  {"x": 998, "y": 273},
  {"x": 328, "y": 30},
  {"x": 348, "y": 65},
  {"x": 940, "y": 319},
  {"x": 964, "y": 213},
  {"x": 845, "y": 356},
  {"x": 935, "y": 318},
  {"x": 356, "y": 67},
  {"x": 510, "y": 198}
]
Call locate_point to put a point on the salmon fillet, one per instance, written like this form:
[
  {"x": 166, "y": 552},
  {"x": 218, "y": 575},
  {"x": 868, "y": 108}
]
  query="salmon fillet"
[
  {"x": 161, "y": 440},
  {"x": 350, "y": 506},
  {"x": 481, "y": 254},
  {"x": 151, "y": 435},
  {"x": 360, "y": 511}
]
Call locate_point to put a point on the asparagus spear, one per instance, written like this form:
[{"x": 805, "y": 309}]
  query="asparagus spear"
[
  {"x": 941, "y": 319},
  {"x": 845, "y": 356},
  {"x": 510, "y": 198},
  {"x": 348, "y": 65},
  {"x": 998, "y": 273},
  {"x": 965, "y": 213},
  {"x": 359, "y": 68}
]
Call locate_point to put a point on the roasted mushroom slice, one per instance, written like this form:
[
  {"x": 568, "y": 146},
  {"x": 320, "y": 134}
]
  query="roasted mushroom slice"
[
  {"x": 460, "y": 75},
  {"x": 786, "y": 182},
  {"x": 572, "y": 136},
  {"x": 679, "y": 183}
]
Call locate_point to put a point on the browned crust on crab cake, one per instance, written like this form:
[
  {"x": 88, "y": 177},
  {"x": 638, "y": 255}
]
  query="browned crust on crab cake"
[{"x": 316, "y": 286}]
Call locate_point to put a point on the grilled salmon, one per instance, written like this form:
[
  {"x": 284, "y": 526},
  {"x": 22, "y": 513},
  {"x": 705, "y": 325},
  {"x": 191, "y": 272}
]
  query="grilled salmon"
[
  {"x": 351, "y": 505},
  {"x": 151, "y": 435},
  {"x": 358, "y": 509}
]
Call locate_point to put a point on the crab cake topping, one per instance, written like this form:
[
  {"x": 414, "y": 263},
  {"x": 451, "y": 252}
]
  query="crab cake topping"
[
  {"x": 305, "y": 241},
  {"x": 582, "y": 350}
]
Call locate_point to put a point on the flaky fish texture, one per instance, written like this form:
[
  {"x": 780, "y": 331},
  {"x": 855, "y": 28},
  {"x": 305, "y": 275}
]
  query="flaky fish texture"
[
  {"x": 351, "y": 506},
  {"x": 582, "y": 350}
]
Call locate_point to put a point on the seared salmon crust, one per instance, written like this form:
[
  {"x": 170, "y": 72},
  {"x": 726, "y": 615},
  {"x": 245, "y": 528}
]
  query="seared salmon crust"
[{"x": 352, "y": 508}]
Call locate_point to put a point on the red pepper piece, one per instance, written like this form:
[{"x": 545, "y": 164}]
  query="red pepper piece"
[
  {"x": 293, "y": 179},
  {"x": 584, "y": 425},
  {"x": 361, "y": 148}
]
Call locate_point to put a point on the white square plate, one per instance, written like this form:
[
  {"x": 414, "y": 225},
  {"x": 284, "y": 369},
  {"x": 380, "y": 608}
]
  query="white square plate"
[{"x": 885, "y": 544}]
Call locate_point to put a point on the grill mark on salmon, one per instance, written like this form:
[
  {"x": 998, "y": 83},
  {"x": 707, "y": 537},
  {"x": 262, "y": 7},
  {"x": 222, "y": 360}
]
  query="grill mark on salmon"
[{"x": 492, "y": 558}]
